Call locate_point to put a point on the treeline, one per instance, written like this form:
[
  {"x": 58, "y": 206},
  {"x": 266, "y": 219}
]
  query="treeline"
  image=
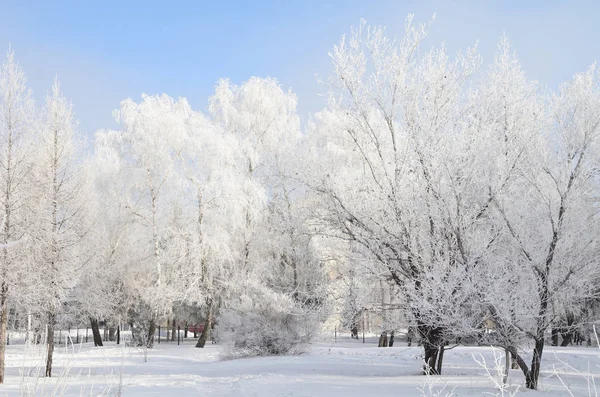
[{"x": 464, "y": 194}]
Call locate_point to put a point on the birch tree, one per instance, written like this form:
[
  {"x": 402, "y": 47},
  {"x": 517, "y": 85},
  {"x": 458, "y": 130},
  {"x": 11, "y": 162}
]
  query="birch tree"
[
  {"x": 101, "y": 289},
  {"x": 275, "y": 260},
  {"x": 216, "y": 216},
  {"x": 148, "y": 148}
]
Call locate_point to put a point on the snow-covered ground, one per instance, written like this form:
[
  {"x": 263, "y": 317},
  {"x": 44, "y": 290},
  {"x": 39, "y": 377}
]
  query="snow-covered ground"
[{"x": 346, "y": 368}]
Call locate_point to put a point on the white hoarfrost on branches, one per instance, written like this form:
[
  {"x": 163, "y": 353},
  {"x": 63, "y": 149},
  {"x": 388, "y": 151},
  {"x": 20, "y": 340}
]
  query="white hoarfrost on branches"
[
  {"x": 17, "y": 121},
  {"x": 474, "y": 196},
  {"x": 62, "y": 222},
  {"x": 431, "y": 195}
]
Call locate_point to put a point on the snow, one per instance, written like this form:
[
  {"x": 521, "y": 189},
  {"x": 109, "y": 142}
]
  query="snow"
[{"x": 346, "y": 368}]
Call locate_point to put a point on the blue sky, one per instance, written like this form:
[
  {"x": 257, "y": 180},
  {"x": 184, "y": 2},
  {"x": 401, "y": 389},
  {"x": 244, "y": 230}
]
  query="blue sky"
[{"x": 106, "y": 51}]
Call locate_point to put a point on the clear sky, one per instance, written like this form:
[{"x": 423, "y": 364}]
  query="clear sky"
[{"x": 106, "y": 51}]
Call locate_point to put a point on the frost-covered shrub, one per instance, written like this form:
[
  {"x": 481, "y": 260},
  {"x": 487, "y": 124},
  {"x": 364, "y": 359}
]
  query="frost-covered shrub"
[{"x": 266, "y": 331}]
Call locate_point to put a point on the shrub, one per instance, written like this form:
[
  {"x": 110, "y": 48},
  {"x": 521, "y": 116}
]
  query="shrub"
[{"x": 265, "y": 332}]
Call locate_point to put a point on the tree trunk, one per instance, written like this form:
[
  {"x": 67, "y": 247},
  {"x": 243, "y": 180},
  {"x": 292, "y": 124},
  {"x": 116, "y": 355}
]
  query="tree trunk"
[
  {"x": 29, "y": 335},
  {"x": 173, "y": 330},
  {"x": 431, "y": 338},
  {"x": 118, "y": 334},
  {"x": 567, "y": 337},
  {"x": 96, "y": 332},
  {"x": 150, "y": 335},
  {"x": 383, "y": 340},
  {"x": 207, "y": 326},
  {"x": 506, "y": 367},
  {"x": 554, "y": 336},
  {"x": 37, "y": 334},
  {"x": 520, "y": 362},
  {"x": 112, "y": 333},
  {"x": 391, "y": 339},
  {"x": 50, "y": 343},
  {"x": 531, "y": 382},
  {"x": 3, "y": 324},
  {"x": 567, "y": 332},
  {"x": 440, "y": 359},
  {"x": 431, "y": 354},
  {"x": 514, "y": 362}
]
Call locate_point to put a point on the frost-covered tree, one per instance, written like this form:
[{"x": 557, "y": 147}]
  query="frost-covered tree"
[
  {"x": 62, "y": 221},
  {"x": 390, "y": 165},
  {"x": 17, "y": 117},
  {"x": 101, "y": 290},
  {"x": 263, "y": 118},
  {"x": 550, "y": 221},
  {"x": 426, "y": 190},
  {"x": 474, "y": 196},
  {"x": 147, "y": 151},
  {"x": 275, "y": 250},
  {"x": 211, "y": 219}
]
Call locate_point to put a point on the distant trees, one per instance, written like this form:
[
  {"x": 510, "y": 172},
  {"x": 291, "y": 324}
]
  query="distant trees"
[{"x": 200, "y": 200}]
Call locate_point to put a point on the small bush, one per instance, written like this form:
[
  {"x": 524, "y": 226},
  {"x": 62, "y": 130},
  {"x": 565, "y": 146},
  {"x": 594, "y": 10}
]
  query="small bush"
[{"x": 252, "y": 333}]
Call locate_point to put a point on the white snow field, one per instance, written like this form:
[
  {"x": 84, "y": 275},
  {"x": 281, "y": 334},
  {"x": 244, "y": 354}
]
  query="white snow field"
[{"x": 347, "y": 368}]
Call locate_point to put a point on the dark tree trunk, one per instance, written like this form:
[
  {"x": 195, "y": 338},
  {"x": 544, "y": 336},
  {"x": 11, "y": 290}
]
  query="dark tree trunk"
[
  {"x": 207, "y": 326},
  {"x": 431, "y": 337},
  {"x": 516, "y": 358},
  {"x": 112, "y": 334},
  {"x": 531, "y": 375},
  {"x": 567, "y": 338},
  {"x": 507, "y": 365},
  {"x": 50, "y": 343},
  {"x": 514, "y": 362},
  {"x": 3, "y": 328},
  {"x": 96, "y": 332},
  {"x": 431, "y": 354},
  {"x": 567, "y": 332},
  {"x": 391, "y": 339},
  {"x": 409, "y": 335},
  {"x": 118, "y": 334},
  {"x": 173, "y": 330},
  {"x": 383, "y": 340},
  {"x": 440, "y": 359},
  {"x": 532, "y": 381},
  {"x": 554, "y": 336},
  {"x": 150, "y": 335},
  {"x": 37, "y": 334}
]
